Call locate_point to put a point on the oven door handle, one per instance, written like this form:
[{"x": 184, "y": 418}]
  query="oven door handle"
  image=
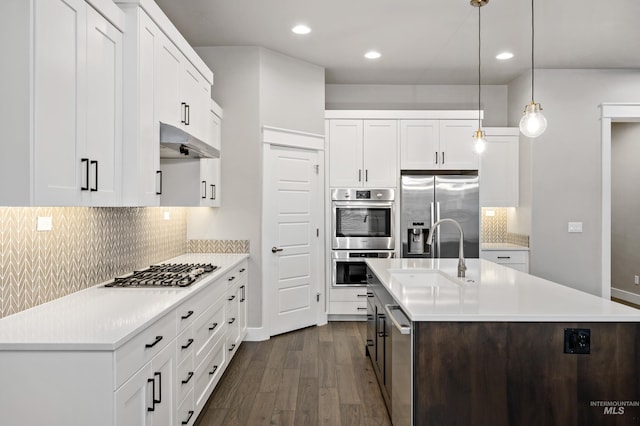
[{"x": 359, "y": 204}]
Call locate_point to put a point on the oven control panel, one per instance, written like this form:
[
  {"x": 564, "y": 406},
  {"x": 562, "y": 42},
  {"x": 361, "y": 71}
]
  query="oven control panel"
[{"x": 347, "y": 194}]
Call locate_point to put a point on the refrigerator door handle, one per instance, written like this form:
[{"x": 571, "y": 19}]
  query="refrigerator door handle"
[
  {"x": 438, "y": 234},
  {"x": 432, "y": 249}
]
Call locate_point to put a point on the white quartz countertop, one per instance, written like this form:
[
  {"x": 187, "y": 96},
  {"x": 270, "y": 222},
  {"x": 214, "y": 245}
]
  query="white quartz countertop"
[
  {"x": 429, "y": 290},
  {"x": 100, "y": 318},
  {"x": 502, "y": 246}
]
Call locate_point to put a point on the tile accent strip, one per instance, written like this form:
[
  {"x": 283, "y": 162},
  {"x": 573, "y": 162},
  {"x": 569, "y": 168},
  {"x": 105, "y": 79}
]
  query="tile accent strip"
[
  {"x": 218, "y": 246},
  {"x": 85, "y": 246},
  {"x": 517, "y": 239},
  {"x": 494, "y": 228}
]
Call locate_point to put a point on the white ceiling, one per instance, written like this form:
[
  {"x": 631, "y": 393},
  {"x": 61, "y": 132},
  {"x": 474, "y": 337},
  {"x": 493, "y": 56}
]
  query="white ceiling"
[{"x": 422, "y": 41}]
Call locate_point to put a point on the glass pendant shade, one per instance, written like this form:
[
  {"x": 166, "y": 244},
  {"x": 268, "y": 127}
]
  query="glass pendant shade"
[
  {"x": 479, "y": 142},
  {"x": 533, "y": 122}
]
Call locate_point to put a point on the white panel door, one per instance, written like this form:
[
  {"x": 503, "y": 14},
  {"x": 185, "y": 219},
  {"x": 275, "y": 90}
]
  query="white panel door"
[
  {"x": 419, "y": 149},
  {"x": 60, "y": 31},
  {"x": 345, "y": 153},
  {"x": 380, "y": 153},
  {"x": 499, "y": 180},
  {"x": 456, "y": 145},
  {"x": 293, "y": 213},
  {"x": 104, "y": 110}
]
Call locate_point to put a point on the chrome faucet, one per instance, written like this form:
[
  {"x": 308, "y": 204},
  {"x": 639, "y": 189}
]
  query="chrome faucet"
[{"x": 461, "y": 266}]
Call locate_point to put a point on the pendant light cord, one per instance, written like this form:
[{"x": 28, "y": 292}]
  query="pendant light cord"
[
  {"x": 532, "y": 45},
  {"x": 479, "y": 62}
]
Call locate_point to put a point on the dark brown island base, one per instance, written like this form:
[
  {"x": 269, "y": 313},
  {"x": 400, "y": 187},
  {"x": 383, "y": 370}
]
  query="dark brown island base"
[{"x": 498, "y": 372}]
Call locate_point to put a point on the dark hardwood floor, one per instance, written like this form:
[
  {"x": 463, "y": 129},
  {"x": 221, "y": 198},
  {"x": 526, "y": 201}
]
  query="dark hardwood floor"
[{"x": 313, "y": 376}]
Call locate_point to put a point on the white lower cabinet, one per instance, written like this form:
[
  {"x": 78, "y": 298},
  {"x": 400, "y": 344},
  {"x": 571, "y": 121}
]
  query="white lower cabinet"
[
  {"x": 515, "y": 259},
  {"x": 348, "y": 301}
]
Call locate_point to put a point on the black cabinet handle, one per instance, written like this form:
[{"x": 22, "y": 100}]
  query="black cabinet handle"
[
  {"x": 232, "y": 320},
  {"x": 155, "y": 342},
  {"x": 231, "y": 298},
  {"x": 243, "y": 297},
  {"x": 189, "y": 313},
  {"x": 231, "y": 279},
  {"x": 186, "y": 422},
  {"x": 188, "y": 344},
  {"x": 362, "y": 309},
  {"x": 366, "y": 175},
  {"x": 361, "y": 295},
  {"x": 159, "y": 400},
  {"x": 204, "y": 189},
  {"x": 183, "y": 108},
  {"x": 153, "y": 393},
  {"x": 214, "y": 325},
  {"x": 442, "y": 157},
  {"x": 85, "y": 187},
  {"x": 359, "y": 175},
  {"x": 242, "y": 270},
  {"x": 212, "y": 372},
  {"x": 95, "y": 188},
  {"x": 188, "y": 379},
  {"x": 232, "y": 347},
  {"x": 436, "y": 157},
  {"x": 369, "y": 294},
  {"x": 504, "y": 257},
  {"x": 369, "y": 342},
  {"x": 159, "y": 173}
]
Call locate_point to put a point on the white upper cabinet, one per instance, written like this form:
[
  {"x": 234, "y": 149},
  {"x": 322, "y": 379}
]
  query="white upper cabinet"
[
  {"x": 363, "y": 153},
  {"x": 64, "y": 129},
  {"x": 437, "y": 144},
  {"x": 499, "y": 168}
]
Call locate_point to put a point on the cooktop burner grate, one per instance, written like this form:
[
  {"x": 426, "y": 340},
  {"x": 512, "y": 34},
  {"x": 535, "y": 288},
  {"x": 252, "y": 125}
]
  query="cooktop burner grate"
[{"x": 164, "y": 275}]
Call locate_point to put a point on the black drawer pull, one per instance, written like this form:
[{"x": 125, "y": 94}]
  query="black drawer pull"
[
  {"x": 233, "y": 346},
  {"x": 155, "y": 342},
  {"x": 504, "y": 257},
  {"x": 214, "y": 325},
  {"x": 232, "y": 320},
  {"x": 189, "y": 376},
  {"x": 189, "y": 313},
  {"x": 242, "y": 270},
  {"x": 212, "y": 372},
  {"x": 362, "y": 309},
  {"x": 369, "y": 342},
  {"x": 362, "y": 295},
  {"x": 231, "y": 278},
  {"x": 188, "y": 344},
  {"x": 186, "y": 422},
  {"x": 231, "y": 298}
]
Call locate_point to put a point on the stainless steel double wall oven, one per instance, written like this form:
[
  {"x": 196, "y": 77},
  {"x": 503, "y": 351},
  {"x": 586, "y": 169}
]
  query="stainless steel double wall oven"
[{"x": 362, "y": 226}]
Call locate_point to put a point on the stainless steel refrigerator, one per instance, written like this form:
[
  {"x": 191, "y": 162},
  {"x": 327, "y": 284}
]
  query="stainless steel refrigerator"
[{"x": 427, "y": 198}]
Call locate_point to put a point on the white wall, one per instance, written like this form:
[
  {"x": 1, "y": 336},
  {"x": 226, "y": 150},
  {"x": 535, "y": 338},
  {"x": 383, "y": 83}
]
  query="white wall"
[
  {"x": 421, "y": 96},
  {"x": 566, "y": 168},
  {"x": 254, "y": 87},
  {"x": 625, "y": 205},
  {"x": 236, "y": 90}
]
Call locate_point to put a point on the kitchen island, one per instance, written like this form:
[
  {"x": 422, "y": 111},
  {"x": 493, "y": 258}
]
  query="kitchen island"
[{"x": 499, "y": 347}]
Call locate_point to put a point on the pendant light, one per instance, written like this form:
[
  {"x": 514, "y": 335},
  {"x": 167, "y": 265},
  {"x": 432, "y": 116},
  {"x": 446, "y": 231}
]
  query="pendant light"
[
  {"x": 533, "y": 123},
  {"x": 478, "y": 135}
]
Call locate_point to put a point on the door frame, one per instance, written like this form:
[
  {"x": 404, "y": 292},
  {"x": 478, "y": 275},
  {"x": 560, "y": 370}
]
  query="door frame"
[
  {"x": 299, "y": 140},
  {"x": 610, "y": 113}
]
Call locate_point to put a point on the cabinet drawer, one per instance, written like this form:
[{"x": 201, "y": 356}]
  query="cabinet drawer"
[
  {"x": 144, "y": 346},
  {"x": 237, "y": 273},
  {"x": 348, "y": 308},
  {"x": 358, "y": 294},
  {"x": 184, "y": 373},
  {"x": 506, "y": 256},
  {"x": 185, "y": 343},
  {"x": 191, "y": 309},
  {"x": 208, "y": 329},
  {"x": 185, "y": 415},
  {"x": 208, "y": 374}
]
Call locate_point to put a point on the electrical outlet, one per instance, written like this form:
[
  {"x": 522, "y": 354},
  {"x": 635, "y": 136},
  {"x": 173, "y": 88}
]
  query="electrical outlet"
[
  {"x": 636, "y": 280},
  {"x": 577, "y": 341},
  {"x": 167, "y": 215},
  {"x": 489, "y": 213},
  {"x": 45, "y": 223},
  {"x": 575, "y": 227}
]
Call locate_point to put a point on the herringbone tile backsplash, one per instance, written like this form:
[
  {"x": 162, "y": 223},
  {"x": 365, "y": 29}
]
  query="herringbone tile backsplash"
[{"x": 86, "y": 246}]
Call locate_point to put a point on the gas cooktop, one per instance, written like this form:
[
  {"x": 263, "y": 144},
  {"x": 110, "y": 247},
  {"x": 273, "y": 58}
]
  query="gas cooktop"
[{"x": 164, "y": 275}]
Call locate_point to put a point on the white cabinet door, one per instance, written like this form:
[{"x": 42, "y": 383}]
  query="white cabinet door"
[
  {"x": 419, "y": 144},
  {"x": 209, "y": 171},
  {"x": 380, "y": 153},
  {"x": 134, "y": 399},
  {"x": 168, "y": 71},
  {"x": 345, "y": 153},
  {"x": 163, "y": 368},
  {"x": 242, "y": 312},
  {"x": 499, "y": 168},
  {"x": 59, "y": 100},
  {"x": 104, "y": 111},
  {"x": 456, "y": 145}
]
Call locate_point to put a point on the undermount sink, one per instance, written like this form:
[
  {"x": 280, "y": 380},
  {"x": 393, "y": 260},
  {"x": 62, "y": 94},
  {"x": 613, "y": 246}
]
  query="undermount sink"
[{"x": 422, "y": 278}]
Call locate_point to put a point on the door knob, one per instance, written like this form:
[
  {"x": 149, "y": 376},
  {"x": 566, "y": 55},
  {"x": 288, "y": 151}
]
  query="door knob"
[{"x": 275, "y": 249}]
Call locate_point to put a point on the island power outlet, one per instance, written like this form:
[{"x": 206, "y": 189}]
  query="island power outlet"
[{"x": 577, "y": 340}]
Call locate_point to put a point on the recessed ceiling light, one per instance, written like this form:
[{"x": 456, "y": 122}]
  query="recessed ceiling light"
[
  {"x": 301, "y": 29},
  {"x": 372, "y": 54},
  {"x": 504, "y": 56}
]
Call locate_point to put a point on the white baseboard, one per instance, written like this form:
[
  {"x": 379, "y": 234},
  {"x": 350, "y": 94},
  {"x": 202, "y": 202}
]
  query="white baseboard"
[
  {"x": 625, "y": 295},
  {"x": 256, "y": 334}
]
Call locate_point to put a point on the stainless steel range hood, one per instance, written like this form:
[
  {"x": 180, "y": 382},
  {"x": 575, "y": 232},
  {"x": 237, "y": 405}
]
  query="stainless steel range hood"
[{"x": 176, "y": 143}]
